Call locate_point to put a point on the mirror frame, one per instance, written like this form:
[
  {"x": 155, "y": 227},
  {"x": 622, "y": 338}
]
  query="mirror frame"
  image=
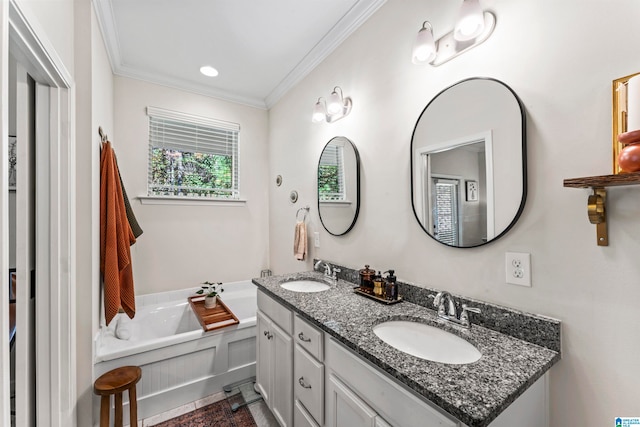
[
  {"x": 355, "y": 215},
  {"x": 524, "y": 163}
]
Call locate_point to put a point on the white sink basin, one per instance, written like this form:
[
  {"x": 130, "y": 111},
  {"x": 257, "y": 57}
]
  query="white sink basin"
[
  {"x": 427, "y": 342},
  {"x": 305, "y": 286}
]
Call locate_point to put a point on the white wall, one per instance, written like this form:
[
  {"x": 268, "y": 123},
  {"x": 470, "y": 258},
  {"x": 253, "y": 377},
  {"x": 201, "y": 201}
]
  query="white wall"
[
  {"x": 55, "y": 20},
  {"x": 560, "y": 58},
  {"x": 183, "y": 246}
]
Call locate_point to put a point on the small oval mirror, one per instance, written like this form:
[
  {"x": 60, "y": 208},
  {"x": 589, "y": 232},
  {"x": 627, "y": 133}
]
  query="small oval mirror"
[
  {"x": 468, "y": 163},
  {"x": 339, "y": 186}
]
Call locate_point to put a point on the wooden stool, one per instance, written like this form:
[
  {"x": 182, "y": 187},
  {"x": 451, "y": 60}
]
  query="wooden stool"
[{"x": 115, "y": 382}]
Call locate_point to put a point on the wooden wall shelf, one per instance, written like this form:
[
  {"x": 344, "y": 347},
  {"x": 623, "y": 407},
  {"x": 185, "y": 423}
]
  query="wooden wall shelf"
[
  {"x": 604, "y": 181},
  {"x": 596, "y": 203}
]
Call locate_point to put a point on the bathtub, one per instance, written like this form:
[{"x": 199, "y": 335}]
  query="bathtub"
[{"x": 180, "y": 362}]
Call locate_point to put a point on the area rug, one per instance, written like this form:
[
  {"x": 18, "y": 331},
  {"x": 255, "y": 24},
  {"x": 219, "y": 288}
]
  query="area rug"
[{"x": 218, "y": 414}]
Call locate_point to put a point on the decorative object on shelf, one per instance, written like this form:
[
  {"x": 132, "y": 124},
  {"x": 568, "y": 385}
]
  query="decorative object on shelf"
[
  {"x": 473, "y": 27},
  {"x": 335, "y": 109},
  {"x": 626, "y": 118},
  {"x": 358, "y": 290},
  {"x": 210, "y": 290},
  {"x": 629, "y": 158}
]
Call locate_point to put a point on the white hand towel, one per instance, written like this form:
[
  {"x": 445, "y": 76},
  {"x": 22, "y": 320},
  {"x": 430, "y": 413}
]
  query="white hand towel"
[{"x": 300, "y": 241}]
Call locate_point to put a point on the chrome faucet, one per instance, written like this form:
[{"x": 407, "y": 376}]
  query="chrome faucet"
[
  {"x": 327, "y": 267},
  {"x": 449, "y": 311}
]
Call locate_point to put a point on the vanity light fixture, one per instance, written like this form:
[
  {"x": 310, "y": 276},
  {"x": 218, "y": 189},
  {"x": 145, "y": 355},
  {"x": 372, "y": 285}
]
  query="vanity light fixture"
[
  {"x": 473, "y": 27},
  {"x": 424, "y": 49},
  {"x": 336, "y": 108}
]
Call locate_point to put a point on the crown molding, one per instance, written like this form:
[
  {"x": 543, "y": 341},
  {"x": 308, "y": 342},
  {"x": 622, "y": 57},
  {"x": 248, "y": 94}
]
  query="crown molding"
[{"x": 352, "y": 20}]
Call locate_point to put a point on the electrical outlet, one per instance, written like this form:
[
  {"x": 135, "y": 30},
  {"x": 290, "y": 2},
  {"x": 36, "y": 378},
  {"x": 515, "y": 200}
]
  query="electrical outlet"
[
  {"x": 518, "y": 268},
  {"x": 316, "y": 239}
]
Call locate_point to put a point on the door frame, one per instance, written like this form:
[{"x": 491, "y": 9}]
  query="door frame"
[{"x": 55, "y": 323}]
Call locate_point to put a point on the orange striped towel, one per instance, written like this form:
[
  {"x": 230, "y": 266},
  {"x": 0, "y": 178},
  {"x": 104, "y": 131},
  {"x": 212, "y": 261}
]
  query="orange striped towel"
[{"x": 116, "y": 237}]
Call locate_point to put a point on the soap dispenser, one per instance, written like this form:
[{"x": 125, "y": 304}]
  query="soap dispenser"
[
  {"x": 391, "y": 288},
  {"x": 378, "y": 289}
]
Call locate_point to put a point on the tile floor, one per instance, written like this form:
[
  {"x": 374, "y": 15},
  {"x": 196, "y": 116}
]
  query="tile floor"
[{"x": 259, "y": 410}]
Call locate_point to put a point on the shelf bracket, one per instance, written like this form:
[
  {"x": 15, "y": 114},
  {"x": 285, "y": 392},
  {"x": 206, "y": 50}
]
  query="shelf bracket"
[{"x": 596, "y": 209}]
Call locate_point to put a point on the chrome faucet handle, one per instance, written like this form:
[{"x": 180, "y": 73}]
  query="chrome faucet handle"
[
  {"x": 464, "y": 315},
  {"x": 336, "y": 270}
]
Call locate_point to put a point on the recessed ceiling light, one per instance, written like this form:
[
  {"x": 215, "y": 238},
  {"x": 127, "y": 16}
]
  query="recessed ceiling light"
[{"x": 209, "y": 71}]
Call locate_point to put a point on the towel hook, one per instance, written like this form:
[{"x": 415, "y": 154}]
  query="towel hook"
[
  {"x": 103, "y": 136},
  {"x": 305, "y": 211}
]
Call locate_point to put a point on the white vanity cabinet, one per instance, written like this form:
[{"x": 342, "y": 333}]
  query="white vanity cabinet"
[
  {"x": 308, "y": 373},
  {"x": 274, "y": 361},
  {"x": 309, "y": 379},
  {"x": 359, "y": 395}
]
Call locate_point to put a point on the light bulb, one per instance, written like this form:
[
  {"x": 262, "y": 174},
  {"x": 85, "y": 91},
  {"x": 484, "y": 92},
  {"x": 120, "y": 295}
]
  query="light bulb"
[
  {"x": 335, "y": 104},
  {"x": 424, "y": 48},
  {"x": 319, "y": 113},
  {"x": 470, "y": 22}
]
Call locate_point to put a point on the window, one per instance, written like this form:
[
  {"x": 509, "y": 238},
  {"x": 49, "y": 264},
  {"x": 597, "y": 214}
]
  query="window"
[
  {"x": 191, "y": 156},
  {"x": 445, "y": 211},
  {"x": 331, "y": 174}
]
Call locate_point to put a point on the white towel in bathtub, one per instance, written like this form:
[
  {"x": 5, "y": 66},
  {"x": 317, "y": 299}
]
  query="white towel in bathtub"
[{"x": 123, "y": 328}]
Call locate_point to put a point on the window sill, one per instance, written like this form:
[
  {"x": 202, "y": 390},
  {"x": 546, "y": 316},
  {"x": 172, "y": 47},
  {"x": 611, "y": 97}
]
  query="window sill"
[
  {"x": 336, "y": 203},
  {"x": 189, "y": 201}
]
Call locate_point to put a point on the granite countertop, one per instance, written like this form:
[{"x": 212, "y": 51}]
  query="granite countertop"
[{"x": 474, "y": 393}]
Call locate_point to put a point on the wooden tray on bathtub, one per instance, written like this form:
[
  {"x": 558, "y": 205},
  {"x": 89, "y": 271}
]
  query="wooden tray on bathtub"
[{"x": 212, "y": 318}]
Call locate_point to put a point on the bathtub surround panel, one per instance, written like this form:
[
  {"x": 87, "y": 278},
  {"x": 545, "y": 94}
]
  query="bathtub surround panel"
[
  {"x": 475, "y": 393},
  {"x": 536, "y": 329}
]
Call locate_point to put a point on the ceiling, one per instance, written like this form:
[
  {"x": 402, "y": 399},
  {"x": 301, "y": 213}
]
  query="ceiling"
[{"x": 261, "y": 48}]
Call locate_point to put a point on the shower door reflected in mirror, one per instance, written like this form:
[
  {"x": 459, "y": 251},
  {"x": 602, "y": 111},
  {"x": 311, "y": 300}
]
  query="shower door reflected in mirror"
[
  {"x": 339, "y": 186},
  {"x": 468, "y": 163}
]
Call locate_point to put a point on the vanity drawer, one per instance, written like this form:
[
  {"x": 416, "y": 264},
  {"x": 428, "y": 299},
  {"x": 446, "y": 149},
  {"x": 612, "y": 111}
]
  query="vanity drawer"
[
  {"x": 308, "y": 337},
  {"x": 301, "y": 417},
  {"x": 275, "y": 311},
  {"x": 308, "y": 378}
]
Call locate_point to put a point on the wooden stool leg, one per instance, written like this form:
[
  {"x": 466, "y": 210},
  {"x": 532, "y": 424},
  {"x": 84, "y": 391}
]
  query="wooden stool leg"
[
  {"x": 117, "y": 422},
  {"x": 133, "y": 407},
  {"x": 104, "y": 411}
]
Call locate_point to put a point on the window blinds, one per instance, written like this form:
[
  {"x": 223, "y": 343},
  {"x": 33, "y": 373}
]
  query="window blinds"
[{"x": 171, "y": 130}]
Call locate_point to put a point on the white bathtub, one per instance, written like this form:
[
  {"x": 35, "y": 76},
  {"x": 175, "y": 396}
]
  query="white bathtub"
[{"x": 180, "y": 362}]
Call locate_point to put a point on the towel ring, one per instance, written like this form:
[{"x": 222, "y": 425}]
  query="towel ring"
[{"x": 305, "y": 211}]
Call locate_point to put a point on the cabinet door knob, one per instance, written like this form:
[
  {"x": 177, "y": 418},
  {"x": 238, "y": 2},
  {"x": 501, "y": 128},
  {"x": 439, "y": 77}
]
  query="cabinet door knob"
[
  {"x": 303, "y": 338},
  {"x": 302, "y": 383}
]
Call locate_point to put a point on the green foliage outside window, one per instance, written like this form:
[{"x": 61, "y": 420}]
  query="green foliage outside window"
[
  {"x": 329, "y": 183},
  {"x": 182, "y": 173}
]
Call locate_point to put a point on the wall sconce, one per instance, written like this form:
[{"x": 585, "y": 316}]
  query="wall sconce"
[
  {"x": 336, "y": 108},
  {"x": 473, "y": 27}
]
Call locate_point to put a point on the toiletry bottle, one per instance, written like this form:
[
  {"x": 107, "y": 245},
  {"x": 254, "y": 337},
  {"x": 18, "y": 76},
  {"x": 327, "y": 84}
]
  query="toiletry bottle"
[
  {"x": 378, "y": 289},
  {"x": 391, "y": 288},
  {"x": 366, "y": 279}
]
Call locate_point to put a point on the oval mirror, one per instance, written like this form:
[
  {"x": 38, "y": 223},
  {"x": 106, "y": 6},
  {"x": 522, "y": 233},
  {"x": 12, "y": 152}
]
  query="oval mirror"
[
  {"x": 339, "y": 186},
  {"x": 468, "y": 163}
]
